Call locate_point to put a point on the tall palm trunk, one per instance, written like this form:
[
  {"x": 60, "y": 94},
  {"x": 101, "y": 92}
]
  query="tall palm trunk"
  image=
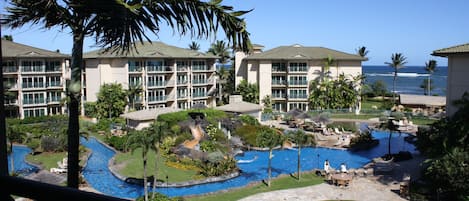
[
  {"x": 394, "y": 88},
  {"x": 299, "y": 162},
  {"x": 145, "y": 182},
  {"x": 389, "y": 143},
  {"x": 74, "y": 90},
  {"x": 155, "y": 176},
  {"x": 270, "y": 168},
  {"x": 428, "y": 85}
]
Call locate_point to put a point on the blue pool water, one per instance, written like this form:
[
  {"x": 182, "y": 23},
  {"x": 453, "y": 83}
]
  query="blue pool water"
[
  {"x": 284, "y": 162},
  {"x": 20, "y": 165}
]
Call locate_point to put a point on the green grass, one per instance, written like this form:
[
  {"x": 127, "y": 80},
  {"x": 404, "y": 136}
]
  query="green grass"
[
  {"x": 134, "y": 167},
  {"x": 368, "y": 103},
  {"x": 47, "y": 160},
  {"x": 285, "y": 182}
]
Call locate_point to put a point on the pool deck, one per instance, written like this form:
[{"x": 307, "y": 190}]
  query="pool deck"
[{"x": 377, "y": 187}]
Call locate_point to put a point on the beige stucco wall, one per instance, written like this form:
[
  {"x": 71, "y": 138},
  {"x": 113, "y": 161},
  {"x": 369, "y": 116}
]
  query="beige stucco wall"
[
  {"x": 457, "y": 81},
  {"x": 252, "y": 71},
  {"x": 265, "y": 80},
  {"x": 240, "y": 67}
]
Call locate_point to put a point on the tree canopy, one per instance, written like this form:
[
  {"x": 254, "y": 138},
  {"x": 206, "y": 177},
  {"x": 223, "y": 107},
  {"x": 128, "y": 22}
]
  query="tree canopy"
[{"x": 111, "y": 101}]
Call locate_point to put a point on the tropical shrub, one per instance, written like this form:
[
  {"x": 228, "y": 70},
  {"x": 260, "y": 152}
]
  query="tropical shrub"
[
  {"x": 118, "y": 142},
  {"x": 208, "y": 146},
  {"x": 52, "y": 144},
  {"x": 160, "y": 197},
  {"x": 218, "y": 168},
  {"x": 183, "y": 137},
  {"x": 248, "y": 119},
  {"x": 34, "y": 144},
  {"x": 248, "y": 134},
  {"x": 90, "y": 109}
]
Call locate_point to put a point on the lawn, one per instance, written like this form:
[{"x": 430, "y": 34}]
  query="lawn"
[
  {"x": 47, "y": 160},
  {"x": 285, "y": 182},
  {"x": 134, "y": 167}
]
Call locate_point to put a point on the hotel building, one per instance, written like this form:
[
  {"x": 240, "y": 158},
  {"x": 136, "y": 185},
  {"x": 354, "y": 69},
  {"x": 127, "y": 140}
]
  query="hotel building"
[
  {"x": 284, "y": 73},
  {"x": 169, "y": 76},
  {"x": 35, "y": 79}
]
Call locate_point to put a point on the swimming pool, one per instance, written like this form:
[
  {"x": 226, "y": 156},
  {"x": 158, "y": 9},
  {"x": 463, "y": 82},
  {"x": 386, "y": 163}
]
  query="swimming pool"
[
  {"x": 99, "y": 177},
  {"x": 20, "y": 165}
]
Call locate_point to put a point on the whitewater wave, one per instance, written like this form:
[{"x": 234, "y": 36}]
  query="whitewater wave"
[{"x": 398, "y": 74}]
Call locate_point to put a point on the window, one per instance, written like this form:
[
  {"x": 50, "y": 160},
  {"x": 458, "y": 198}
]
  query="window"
[
  {"x": 199, "y": 66},
  {"x": 199, "y": 79},
  {"x": 279, "y": 67},
  {"x": 182, "y": 65},
  {"x": 297, "y": 93},
  {"x": 199, "y": 102},
  {"x": 32, "y": 66},
  {"x": 153, "y": 66},
  {"x": 301, "y": 106},
  {"x": 10, "y": 82},
  {"x": 279, "y": 106},
  {"x": 297, "y": 67},
  {"x": 199, "y": 92},
  {"x": 54, "y": 110},
  {"x": 298, "y": 80},
  {"x": 182, "y": 93},
  {"x": 278, "y": 80},
  {"x": 135, "y": 80},
  {"x": 135, "y": 66},
  {"x": 182, "y": 79},
  {"x": 279, "y": 93},
  {"x": 53, "y": 66},
  {"x": 53, "y": 81},
  {"x": 33, "y": 82},
  {"x": 9, "y": 67},
  {"x": 183, "y": 105},
  {"x": 54, "y": 96},
  {"x": 33, "y": 98},
  {"x": 156, "y": 95},
  {"x": 34, "y": 112},
  {"x": 156, "y": 81}
]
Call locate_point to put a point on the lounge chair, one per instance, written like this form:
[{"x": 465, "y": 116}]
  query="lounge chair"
[
  {"x": 383, "y": 166},
  {"x": 336, "y": 130}
]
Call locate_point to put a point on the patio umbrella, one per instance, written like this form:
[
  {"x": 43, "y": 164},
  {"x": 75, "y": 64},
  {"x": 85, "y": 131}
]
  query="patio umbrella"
[{"x": 294, "y": 112}]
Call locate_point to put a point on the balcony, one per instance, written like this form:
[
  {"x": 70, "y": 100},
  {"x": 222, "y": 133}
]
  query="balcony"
[
  {"x": 182, "y": 82},
  {"x": 32, "y": 69},
  {"x": 182, "y": 68},
  {"x": 54, "y": 100},
  {"x": 298, "y": 82},
  {"x": 297, "y": 96},
  {"x": 159, "y": 69},
  {"x": 10, "y": 69},
  {"x": 182, "y": 96},
  {"x": 39, "y": 85},
  {"x": 199, "y": 95},
  {"x": 54, "y": 84},
  {"x": 201, "y": 68},
  {"x": 38, "y": 101},
  {"x": 156, "y": 83},
  {"x": 276, "y": 69},
  {"x": 135, "y": 69},
  {"x": 200, "y": 82},
  {"x": 56, "y": 69},
  {"x": 156, "y": 98},
  {"x": 279, "y": 96},
  {"x": 279, "y": 82},
  {"x": 298, "y": 69}
]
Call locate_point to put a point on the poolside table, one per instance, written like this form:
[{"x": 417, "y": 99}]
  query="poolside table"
[{"x": 341, "y": 179}]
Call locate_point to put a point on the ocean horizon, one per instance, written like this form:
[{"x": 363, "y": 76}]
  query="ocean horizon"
[{"x": 409, "y": 78}]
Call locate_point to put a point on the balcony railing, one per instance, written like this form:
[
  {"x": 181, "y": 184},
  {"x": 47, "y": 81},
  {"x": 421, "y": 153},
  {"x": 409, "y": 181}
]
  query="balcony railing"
[
  {"x": 279, "y": 82},
  {"x": 298, "y": 96},
  {"x": 156, "y": 98},
  {"x": 181, "y": 82},
  {"x": 182, "y": 68},
  {"x": 54, "y": 84},
  {"x": 10, "y": 69},
  {"x": 32, "y": 69},
  {"x": 33, "y": 101},
  {"x": 156, "y": 83},
  {"x": 199, "y": 94},
  {"x": 298, "y": 69},
  {"x": 32, "y": 86},
  {"x": 201, "y": 81},
  {"x": 279, "y": 95},
  {"x": 54, "y": 99},
  {"x": 298, "y": 82},
  {"x": 279, "y": 69},
  {"x": 135, "y": 69},
  {"x": 56, "y": 69},
  {"x": 200, "y": 68}
]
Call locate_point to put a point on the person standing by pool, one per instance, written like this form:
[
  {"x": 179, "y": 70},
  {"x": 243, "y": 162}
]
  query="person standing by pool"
[
  {"x": 343, "y": 168},
  {"x": 327, "y": 166}
]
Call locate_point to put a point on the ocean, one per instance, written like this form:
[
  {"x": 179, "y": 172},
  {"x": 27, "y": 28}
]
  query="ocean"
[{"x": 409, "y": 78}]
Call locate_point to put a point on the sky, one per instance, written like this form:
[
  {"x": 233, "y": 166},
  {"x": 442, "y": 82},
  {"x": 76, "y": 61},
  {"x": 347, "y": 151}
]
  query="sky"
[{"x": 414, "y": 28}]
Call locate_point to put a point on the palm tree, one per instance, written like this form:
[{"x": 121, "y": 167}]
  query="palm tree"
[
  {"x": 362, "y": 51},
  {"x": 249, "y": 92},
  {"x": 116, "y": 25},
  {"x": 387, "y": 123},
  {"x": 270, "y": 139},
  {"x": 141, "y": 140},
  {"x": 397, "y": 62},
  {"x": 133, "y": 92},
  {"x": 328, "y": 62},
  {"x": 223, "y": 76},
  {"x": 194, "y": 46},
  {"x": 159, "y": 131},
  {"x": 301, "y": 139},
  {"x": 220, "y": 48},
  {"x": 430, "y": 67}
]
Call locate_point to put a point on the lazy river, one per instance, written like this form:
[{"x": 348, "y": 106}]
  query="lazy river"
[{"x": 98, "y": 175}]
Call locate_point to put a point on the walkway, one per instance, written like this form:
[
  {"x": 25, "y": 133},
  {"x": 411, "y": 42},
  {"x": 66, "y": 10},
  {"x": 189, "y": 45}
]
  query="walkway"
[{"x": 378, "y": 187}]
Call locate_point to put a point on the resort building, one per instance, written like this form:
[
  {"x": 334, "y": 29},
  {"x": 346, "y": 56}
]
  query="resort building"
[
  {"x": 284, "y": 73},
  {"x": 35, "y": 80},
  {"x": 458, "y": 73},
  {"x": 169, "y": 76}
]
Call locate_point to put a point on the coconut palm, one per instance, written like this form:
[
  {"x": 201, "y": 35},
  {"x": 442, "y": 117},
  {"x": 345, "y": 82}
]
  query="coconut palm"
[
  {"x": 220, "y": 48},
  {"x": 362, "y": 51},
  {"x": 141, "y": 140},
  {"x": 270, "y": 139},
  {"x": 397, "y": 62},
  {"x": 116, "y": 25},
  {"x": 133, "y": 93},
  {"x": 194, "y": 46},
  {"x": 301, "y": 139},
  {"x": 430, "y": 67},
  {"x": 159, "y": 131},
  {"x": 328, "y": 62},
  {"x": 223, "y": 77}
]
